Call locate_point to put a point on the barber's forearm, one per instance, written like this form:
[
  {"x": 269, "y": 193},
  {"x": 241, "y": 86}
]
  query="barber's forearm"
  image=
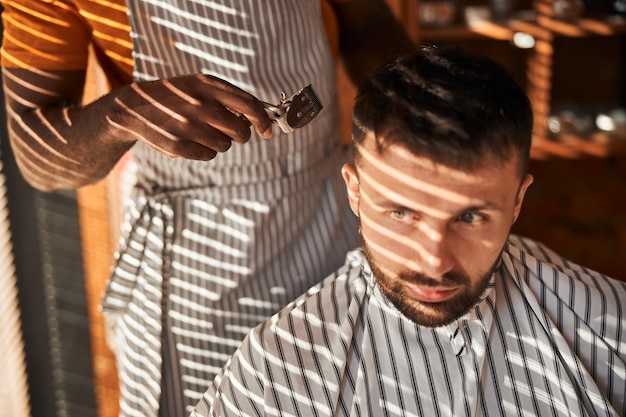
[
  {"x": 58, "y": 144},
  {"x": 51, "y": 158}
]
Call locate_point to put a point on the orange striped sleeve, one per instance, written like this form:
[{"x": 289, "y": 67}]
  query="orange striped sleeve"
[
  {"x": 43, "y": 34},
  {"x": 56, "y": 34}
]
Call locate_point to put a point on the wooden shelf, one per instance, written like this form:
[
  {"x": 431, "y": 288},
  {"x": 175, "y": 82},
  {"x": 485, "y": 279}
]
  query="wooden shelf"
[
  {"x": 542, "y": 28},
  {"x": 598, "y": 145},
  {"x": 584, "y": 27}
]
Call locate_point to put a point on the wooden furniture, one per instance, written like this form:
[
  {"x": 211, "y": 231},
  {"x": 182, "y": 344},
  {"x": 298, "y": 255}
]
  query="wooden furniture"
[{"x": 543, "y": 65}]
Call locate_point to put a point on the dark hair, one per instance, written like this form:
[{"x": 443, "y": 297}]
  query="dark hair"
[{"x": 448, "y": 105}]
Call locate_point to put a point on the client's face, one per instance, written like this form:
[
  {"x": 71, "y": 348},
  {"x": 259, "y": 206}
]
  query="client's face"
[{"x": 432, "y": 234}]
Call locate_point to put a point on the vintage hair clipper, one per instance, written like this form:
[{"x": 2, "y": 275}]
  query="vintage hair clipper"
[{"x": 296, "y": 111}]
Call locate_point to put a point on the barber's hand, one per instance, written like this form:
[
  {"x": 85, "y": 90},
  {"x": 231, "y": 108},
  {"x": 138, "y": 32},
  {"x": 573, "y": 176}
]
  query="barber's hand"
[{"x": 193, "y": 116}]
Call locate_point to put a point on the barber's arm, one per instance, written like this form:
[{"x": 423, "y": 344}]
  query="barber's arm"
[
  {"x": 369, "y": 34},
  {"x": 60, "y": 144}
]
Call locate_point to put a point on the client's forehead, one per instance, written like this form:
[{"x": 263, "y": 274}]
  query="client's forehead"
[
  {"x": 394, "y": 167},
  {"x": 377, "y": 147}
]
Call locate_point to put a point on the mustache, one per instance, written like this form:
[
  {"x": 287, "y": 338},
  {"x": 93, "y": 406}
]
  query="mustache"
[{"x": 450, "y": 279}]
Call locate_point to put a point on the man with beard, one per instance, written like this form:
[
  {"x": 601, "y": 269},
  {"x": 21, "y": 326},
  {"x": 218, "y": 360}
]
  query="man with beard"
[{"x": 442, "y": 312}]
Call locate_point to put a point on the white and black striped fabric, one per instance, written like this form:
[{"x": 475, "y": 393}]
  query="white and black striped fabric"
[
  {"x": 548, "y": 339},
  {"x": 213, "y": 248}
]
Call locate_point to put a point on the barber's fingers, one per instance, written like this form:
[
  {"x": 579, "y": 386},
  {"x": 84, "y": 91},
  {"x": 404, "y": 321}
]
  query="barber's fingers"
[
  {"x": 191, "y": 117},
  {"x": 238, "y": 101}
]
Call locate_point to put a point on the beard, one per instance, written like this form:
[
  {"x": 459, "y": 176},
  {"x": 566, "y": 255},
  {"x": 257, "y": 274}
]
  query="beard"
[{"x": 430, "y": 314}]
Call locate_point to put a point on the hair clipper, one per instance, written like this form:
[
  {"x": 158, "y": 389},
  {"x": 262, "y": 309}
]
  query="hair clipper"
[{"x": 296, "y": 111}]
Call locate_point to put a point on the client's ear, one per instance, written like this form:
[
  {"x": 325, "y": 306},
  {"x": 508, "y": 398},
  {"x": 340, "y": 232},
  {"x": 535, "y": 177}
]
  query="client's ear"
[
  {"x": 348, "y": 172},
  {"x": 528, "y": 179}
]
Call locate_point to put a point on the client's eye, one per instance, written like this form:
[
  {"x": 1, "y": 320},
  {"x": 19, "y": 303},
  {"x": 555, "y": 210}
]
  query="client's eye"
[{"x": 470, "y": 217}]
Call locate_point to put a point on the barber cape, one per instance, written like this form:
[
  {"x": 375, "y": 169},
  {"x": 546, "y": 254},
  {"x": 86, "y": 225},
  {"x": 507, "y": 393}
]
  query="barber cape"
[{"x": 547, "y": 339}]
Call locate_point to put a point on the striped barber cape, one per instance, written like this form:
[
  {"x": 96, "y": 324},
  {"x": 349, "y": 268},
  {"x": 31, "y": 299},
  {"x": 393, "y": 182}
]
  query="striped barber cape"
[{"x": 547, "y": 339}]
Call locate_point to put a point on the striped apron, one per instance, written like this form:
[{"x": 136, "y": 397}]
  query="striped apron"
[{"x": 210, "y": 249}]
